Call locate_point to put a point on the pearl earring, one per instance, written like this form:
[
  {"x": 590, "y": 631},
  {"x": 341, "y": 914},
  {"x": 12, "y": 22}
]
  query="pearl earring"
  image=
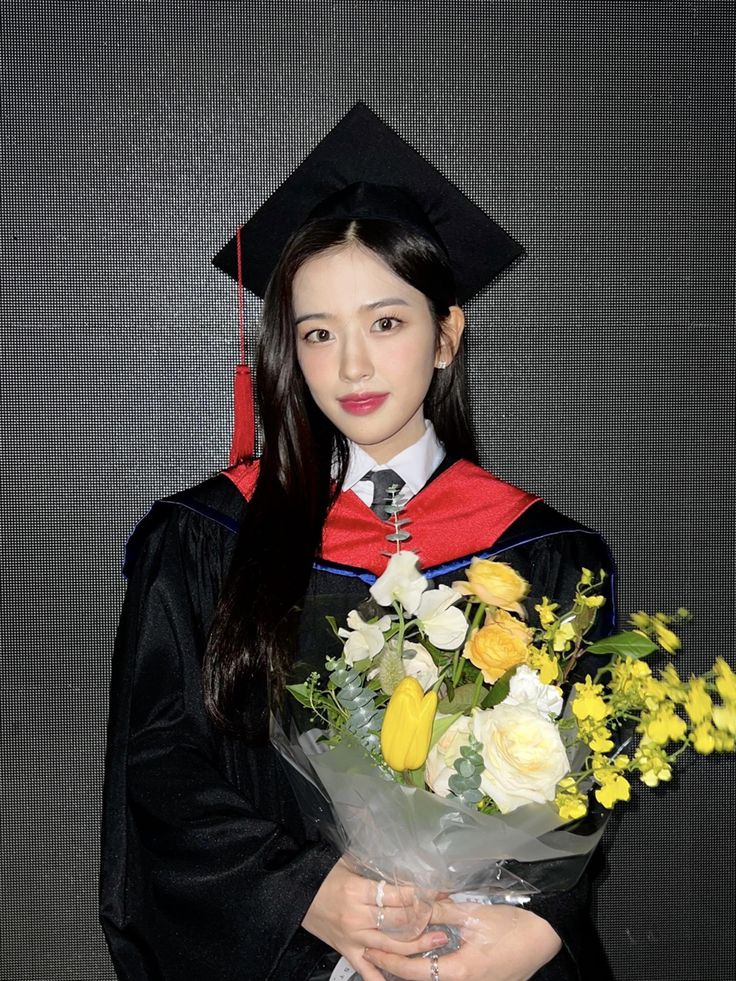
[{"x": 442, "y": 364}]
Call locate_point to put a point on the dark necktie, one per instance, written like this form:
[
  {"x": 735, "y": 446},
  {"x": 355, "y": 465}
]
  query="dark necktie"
[{"x": 382, "y": 480}]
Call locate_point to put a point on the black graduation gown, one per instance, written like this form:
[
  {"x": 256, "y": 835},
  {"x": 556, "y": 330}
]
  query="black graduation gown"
[{"x": 207, "y": 870}]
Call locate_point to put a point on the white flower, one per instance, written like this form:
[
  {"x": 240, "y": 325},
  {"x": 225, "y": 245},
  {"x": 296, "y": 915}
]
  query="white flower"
[
  {"x": 401, "y": 581},
  {"x": 527, "y": 690},
  {"x": 523, "y": 755},
  {"x": 418, "y": 663},
  {"x": 442, "y": 756},
  {"x": 364, "y": 640},
  {"x": 441, "y": 621}
]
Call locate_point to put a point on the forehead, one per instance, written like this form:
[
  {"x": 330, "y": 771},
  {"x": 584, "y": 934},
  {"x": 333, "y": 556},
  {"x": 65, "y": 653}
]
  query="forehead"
[{"x": 349, "y": 274}]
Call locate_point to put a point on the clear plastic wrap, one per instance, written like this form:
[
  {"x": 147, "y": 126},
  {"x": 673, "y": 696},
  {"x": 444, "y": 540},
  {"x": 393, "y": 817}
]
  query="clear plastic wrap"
[{"x": 407, "y": 834}]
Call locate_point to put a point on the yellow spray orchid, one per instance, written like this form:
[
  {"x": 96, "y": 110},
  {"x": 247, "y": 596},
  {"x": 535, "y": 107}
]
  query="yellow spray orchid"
[{"x": 407, "y": 725}]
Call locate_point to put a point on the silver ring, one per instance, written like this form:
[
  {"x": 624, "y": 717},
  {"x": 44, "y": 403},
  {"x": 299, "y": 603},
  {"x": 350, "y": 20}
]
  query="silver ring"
[
  {"x": 434, "y": 970},
  {"x": 379, "y": 893},
  {"x": 379, "y": 919}
]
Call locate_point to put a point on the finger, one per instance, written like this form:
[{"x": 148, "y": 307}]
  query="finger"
[
  {"x": 453, "y": 914},
  {"x": 404, "y": 895},
  {"x": 410, "y": 968},
  {"x": 364, "y": 967},
  {"x": 483, "y": 924},
  {"x": 445, "y": 911},
  {"x": 406, "y": 948},
  {"x": 398, "y": 919}
]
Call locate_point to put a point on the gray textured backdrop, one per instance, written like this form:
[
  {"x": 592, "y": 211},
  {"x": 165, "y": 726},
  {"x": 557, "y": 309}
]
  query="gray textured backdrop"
[{"x": 135, "y": 139}]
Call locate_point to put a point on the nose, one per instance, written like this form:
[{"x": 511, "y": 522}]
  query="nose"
[{"x": 355, "y": 360}]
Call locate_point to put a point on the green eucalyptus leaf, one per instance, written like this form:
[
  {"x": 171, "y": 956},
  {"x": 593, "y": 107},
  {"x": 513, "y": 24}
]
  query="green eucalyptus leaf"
[
  {"x": 456, "y": 784},
  {"x": 473, "y": 795}
]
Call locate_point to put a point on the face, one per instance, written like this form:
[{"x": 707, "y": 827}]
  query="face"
[{"x": 366, "y": 344}]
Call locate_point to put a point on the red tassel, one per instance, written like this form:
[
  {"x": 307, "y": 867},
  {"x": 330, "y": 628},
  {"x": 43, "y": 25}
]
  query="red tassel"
[
  {"x": 244, "y": 429},
  {"x": 243, "y": 443}
]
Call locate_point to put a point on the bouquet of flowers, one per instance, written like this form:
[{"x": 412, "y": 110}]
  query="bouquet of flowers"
[{"x": 460, "y": 749}]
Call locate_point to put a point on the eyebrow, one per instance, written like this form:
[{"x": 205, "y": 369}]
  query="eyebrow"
[{"x": 390, "y": 301}]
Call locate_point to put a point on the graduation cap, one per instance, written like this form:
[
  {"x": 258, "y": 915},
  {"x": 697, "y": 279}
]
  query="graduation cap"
[{"x": 361, "y": 170}]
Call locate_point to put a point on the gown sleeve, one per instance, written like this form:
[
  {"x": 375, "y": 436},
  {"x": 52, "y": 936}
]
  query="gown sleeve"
[
  {"x": 206, "y": 871},
  {"x": 552, "y": 565}
]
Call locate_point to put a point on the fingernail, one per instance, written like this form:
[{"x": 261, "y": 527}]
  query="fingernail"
[{"x": 439, "y": 940}]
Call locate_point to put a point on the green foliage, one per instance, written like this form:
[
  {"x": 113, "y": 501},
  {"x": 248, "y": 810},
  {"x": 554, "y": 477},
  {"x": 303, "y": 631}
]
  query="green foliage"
[
  {"x": 301, "y": 693},
  {"x": 362, "y": 716},
  {"x": 465, "y": 781},
  {"x": 460, "y": 702},
  {"x": 627, "y": 644}
]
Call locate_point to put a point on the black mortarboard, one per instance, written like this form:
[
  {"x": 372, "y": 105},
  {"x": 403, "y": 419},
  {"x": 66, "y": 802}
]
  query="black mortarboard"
[{"x": 362, "y": 169}]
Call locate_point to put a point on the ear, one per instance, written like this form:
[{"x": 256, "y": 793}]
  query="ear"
[{"x": 450, "y": 333}]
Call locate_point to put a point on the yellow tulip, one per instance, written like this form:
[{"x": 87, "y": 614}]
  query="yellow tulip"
[{"x": 407, "y": 725}]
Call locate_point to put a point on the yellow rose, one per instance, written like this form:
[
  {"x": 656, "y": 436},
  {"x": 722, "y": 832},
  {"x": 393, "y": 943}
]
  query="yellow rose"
[
  {"x": 514, "y": 626},
  {"x": 494, "y": 583},
  {"x": 494, "y": 650}
]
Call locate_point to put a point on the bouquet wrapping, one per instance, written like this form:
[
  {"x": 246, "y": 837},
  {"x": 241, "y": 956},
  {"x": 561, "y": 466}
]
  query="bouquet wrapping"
[
  {"x": 455, "y": 751},
  {"x": 408, "y": 834}
]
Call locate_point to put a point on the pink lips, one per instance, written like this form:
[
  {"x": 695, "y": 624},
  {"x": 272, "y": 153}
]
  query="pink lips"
[{"x": 363, "y": 403}]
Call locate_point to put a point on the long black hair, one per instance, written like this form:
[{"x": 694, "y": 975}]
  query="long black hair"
[{"x": 302, "y": 467}]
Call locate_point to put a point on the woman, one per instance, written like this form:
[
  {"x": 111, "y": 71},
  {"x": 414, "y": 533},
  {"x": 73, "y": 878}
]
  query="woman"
[{"x": 208, "y": 870}]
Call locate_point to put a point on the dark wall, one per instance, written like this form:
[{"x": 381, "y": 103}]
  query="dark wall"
[{"x": 134, "y": 140}]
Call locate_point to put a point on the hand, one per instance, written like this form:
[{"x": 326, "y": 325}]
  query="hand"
[
  {"x": 500, "y": 943},
  {"x": 344, "y": 915}
]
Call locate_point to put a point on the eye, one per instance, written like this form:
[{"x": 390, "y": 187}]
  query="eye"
[
  {"x": 386, "y": 324},
  {"x": 317, "y": 336}
]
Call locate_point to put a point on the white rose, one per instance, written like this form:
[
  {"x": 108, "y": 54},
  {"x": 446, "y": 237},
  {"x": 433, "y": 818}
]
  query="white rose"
[
  {"x": 523, "y": 755},
  {"x": 364, "y": 640},
  {"x": 441, "y": 621},
  {"x": 441, "y": 760},
  {"x": 418, "y": 664},
  {"x": 402, "y": 581},
  {"x": 527, "y": 690}
]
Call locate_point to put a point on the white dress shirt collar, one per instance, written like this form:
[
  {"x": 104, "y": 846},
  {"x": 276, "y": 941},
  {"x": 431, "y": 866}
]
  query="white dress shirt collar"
[{"x": 415, "y": 465}]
